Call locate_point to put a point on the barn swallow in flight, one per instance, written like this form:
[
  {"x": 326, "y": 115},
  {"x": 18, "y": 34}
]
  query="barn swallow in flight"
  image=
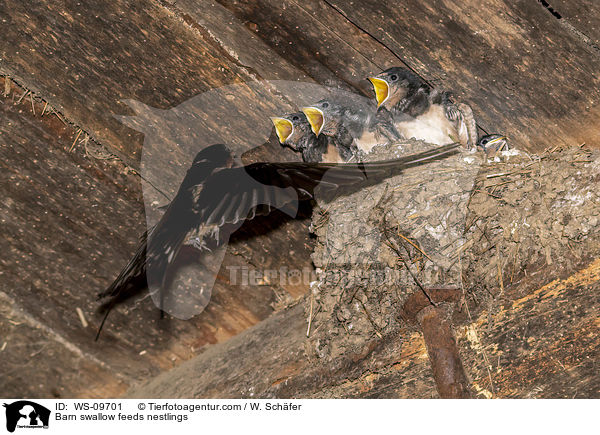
[
  {"x": 294, "y": 130},
  {"x": 351, "y": 122},
  {"x": 216, "y": 197},
  {"x": 421, "y": 112}
]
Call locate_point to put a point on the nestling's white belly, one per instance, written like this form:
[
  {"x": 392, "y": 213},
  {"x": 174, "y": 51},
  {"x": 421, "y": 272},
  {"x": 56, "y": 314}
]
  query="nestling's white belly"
[
  {"x": 432, "y": 127},
  {"x": 367, "y": 141}
]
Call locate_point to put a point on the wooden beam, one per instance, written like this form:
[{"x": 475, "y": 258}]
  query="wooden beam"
[
  {"x": 583, "y": 15},
  {"x": 86, "y": 58},
  {"x": 70, "y": 221}
]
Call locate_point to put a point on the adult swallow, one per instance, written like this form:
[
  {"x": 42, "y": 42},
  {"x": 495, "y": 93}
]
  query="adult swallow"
[
  {"x": 351, "y": 122},
  {"x": 421, "y": 112},
  {"x": 216, "y": 197}
]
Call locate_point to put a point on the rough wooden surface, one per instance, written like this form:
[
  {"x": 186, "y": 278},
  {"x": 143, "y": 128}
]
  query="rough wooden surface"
[
  {"x": 69, "y": 223},
  {"x": 329, "y": 49},
  {"x": 337, "y": 43},
  {"x": 545, "y": 344},
  {"x": 542, "y": 345},
  {"x": 38, "y": 363},
  {"x": 583, "y": 15},
  {"x": 85, "y": 58},
  {"x": 291, "y": 373},
  {"x": 525, "y": 73}
]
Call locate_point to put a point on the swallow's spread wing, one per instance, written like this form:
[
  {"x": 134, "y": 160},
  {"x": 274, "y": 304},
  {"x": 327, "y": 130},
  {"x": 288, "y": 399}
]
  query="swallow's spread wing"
[
  {"x": 234, "y": 195},
  {"x": 166, "y": 236},
  {"x": 215, "y": 199}
]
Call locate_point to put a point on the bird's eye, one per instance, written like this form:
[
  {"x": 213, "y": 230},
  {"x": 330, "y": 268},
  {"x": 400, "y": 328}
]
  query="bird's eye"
[
  {"x": 295, "y": 118},
  {"x": 485, "y": 141},
  {"x": 325, "y": 105},
  {"x": 393, "y": 77}
]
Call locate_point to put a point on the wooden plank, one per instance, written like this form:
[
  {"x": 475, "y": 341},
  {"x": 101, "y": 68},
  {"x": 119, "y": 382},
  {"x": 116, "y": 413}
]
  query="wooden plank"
[
  {"x": 271, "y": 361},
  {"x": 35, "y": 363},
  {"x": 239, "y": 41},
  {"x": 583, "y": 15},
  {"x": 542, "y": 345},
  {"x": 89, "y": 89},
  {"x": 86, "y": 58},
  {"x": 315, "y": 39},
  {"x": 69, "y": 223}
]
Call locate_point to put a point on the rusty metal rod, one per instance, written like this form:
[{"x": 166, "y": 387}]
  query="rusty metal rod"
[{"x": 448, "y": 371}]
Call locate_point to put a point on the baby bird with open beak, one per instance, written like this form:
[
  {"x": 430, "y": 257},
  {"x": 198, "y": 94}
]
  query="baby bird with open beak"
[
  {"x": 493, "y": 143},
  {"x": 421, "y": 112},
  {"x": 294, "y": 131},
  {"x": 351, "y": 123}
]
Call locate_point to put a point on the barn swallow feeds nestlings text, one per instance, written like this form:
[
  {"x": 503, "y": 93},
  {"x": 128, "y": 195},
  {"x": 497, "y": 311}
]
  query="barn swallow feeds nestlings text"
[
  {"x": 421, "y": 112},
  {"x": 216, "y": 197},
  {"x": 352, "y": 123}
]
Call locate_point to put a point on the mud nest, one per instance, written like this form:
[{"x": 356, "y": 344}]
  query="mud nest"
[{"x": 470, "y": 221}]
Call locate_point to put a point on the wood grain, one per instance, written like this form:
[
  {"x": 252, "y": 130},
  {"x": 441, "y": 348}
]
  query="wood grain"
[
  {"x": 86, "y": 58},
  {"x": 69, "y": 223},
  {"x": 523, "y": 73},
  {"x": 583, "y": 15}
]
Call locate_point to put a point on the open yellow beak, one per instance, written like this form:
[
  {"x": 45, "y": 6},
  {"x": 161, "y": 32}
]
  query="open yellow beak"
[
  {"x": 382, "y": 90},
  {"x": 315, "y": 118},
  {"x": 496, "y": 140},
  {"x": 283, "y": 128}
]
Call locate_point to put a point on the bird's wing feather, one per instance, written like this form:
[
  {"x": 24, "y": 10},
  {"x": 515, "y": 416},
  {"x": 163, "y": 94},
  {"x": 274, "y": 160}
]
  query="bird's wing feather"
[
  {"x": 166, "y": 234},
  {"x": 234, "y": 195}
]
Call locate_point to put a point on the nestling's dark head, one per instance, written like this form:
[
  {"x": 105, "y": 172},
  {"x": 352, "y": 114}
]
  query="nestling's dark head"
[
  {"x": 292, "y": 129},
  {"x": 394, "y": 84},
  {"x": 324, "y": 116},
  {"x": 492, "y": 143}
]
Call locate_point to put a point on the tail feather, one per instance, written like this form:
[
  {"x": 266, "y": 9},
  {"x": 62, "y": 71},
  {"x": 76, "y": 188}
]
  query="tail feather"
[{"x": 135, "y": 269}]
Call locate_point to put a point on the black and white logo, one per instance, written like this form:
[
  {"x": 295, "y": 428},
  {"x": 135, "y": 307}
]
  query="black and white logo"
[{"x": 25, "y": 414}]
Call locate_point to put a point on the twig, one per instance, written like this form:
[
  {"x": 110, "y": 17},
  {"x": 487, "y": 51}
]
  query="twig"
[
  {"x": 500, "y": 280},
  {"x": 415, "y": 246},
  {"x": 21, "y": 97},
  {"x": 82, "y": 318},
  {"x": 44, "y": 109},
  {"x": 489, "y": 193},
  {"x": 7, "y": 87},
  {"x": 415, "y": 279},
  {"x": 58, "y": 116},
  {"x": 75, "y": 141},
  {"x": 375, "y": 327},
  {"x": 310, "y": 314}
]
